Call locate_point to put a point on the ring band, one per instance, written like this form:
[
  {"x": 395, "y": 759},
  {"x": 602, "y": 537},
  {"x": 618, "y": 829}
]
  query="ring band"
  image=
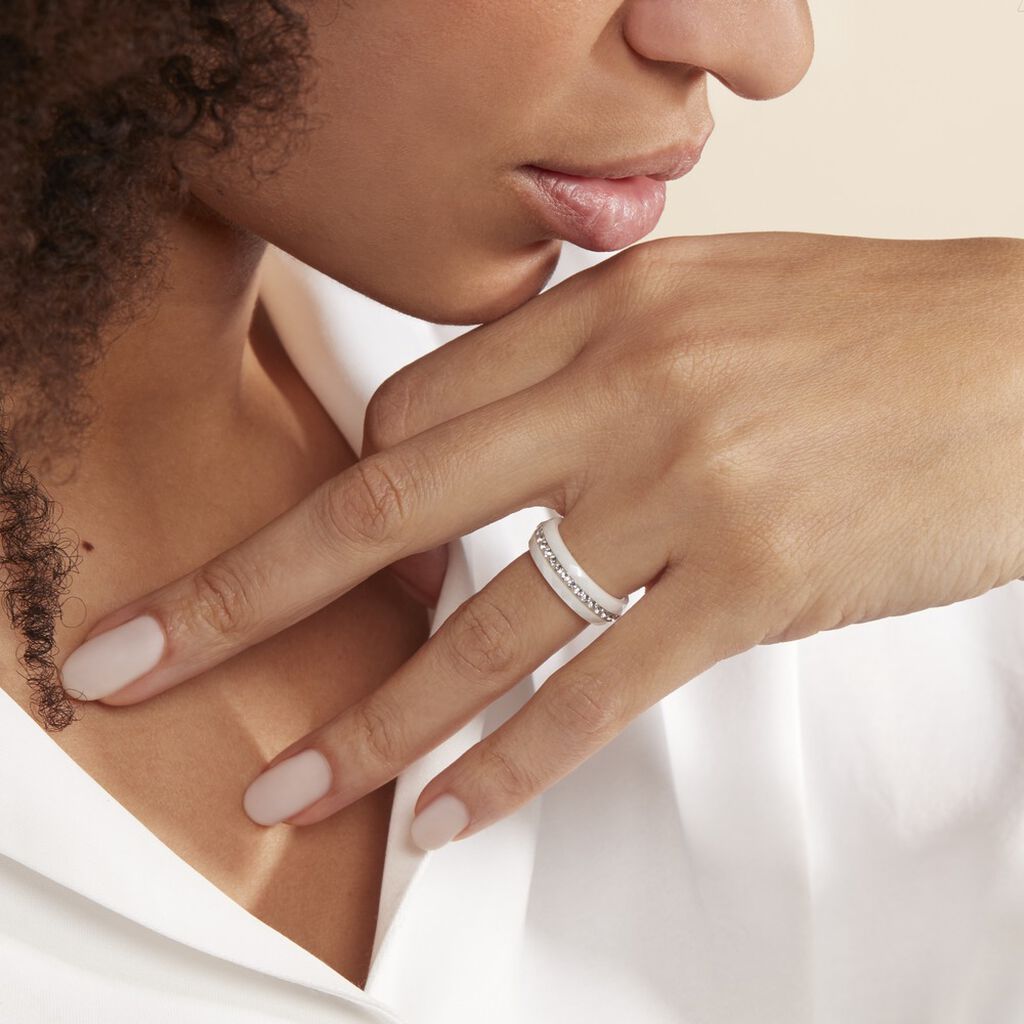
[{"x": 569, "y": 580}]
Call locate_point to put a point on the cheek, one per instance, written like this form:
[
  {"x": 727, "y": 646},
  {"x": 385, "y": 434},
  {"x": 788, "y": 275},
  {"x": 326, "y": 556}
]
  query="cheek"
[
  {"x": 402, "y": 247},
  {"x": 451, "y": 85},
  {"x": 420, "y": 110}
]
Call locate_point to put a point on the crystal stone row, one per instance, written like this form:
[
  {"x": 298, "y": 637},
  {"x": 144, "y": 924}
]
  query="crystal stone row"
[{"x": 552, "y": 559}]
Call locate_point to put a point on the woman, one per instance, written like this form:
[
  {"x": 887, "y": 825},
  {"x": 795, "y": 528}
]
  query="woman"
[{"x": 687, "y": 866}]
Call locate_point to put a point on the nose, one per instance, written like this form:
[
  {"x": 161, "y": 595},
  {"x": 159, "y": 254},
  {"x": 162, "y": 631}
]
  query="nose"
[{"x": 758, "y": 48}]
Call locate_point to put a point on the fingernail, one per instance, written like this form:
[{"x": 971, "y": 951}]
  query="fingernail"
[
  {"x": 287, "y": 788},
  {"x": 439, "y": 822},
  {"x": 106, "y": 663}
]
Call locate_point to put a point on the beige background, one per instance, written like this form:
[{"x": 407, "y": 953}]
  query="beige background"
[{"x": 909, "y": 123}]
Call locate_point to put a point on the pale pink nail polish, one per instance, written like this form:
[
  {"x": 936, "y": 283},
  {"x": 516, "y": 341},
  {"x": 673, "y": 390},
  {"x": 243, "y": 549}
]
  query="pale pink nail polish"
[
  {"x": 112, "y": 660},
  {"x": 439, "y": 822},
  {"x": 287, "y": 788}
]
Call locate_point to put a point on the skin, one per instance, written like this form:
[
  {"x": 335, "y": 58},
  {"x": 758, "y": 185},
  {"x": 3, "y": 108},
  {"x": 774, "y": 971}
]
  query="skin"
[
  {"x": 445, "y": 99},
  {"x": 761, "y": 510},
  {"x": 764, "y": 512},
  {"x": 178, "y": 465},
  {"x": 427, "y": 107}
]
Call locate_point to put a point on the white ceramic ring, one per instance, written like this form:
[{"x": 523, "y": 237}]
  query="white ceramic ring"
[{"x": 568, "y": 579}]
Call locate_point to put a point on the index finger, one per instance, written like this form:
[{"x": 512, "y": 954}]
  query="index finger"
[{"x": 436, "y": 485}]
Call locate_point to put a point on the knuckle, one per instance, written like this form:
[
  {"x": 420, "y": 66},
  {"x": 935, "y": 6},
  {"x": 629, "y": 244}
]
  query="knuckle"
[
  {"x": 766, "y": 561},
  {"x": 369, "y": 503},
  {"x": 481, "y": 640},
  {"x": 738, "y": 467},
  {"x": 656, "y": 264},
  {"x": 727, "y": 469},
  {"x": 513, "y": 780},
  {"x": 635, "y": 273},
  {"x": 379, "y": 734},
  {"x": 587, "y": 704},
  {"x": 695, "y": 362},
  {"x": 653, "y": 254},
  {"x": 774, "y": 535},
  {"x": 387, "y": 414},
  {"x": 221, "y": 601}
]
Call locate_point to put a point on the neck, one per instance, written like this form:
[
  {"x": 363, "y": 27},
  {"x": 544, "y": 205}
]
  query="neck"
[
  {"x": 196, "y": 401},
  {"x": 198, "y": 365},
  {"x": 184, "y": 367},
  {"x": 200, "y": 431}
]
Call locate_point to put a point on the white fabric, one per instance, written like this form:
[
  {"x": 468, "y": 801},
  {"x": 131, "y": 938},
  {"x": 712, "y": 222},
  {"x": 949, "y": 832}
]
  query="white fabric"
[{"x": 825, "y": 830}]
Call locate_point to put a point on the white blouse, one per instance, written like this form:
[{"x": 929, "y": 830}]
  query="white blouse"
[{"x": 825, "y": 830}]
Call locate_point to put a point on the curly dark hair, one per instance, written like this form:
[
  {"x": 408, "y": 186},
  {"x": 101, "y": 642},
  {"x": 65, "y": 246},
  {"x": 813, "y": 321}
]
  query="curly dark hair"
[{"x": 97, "y": 99}]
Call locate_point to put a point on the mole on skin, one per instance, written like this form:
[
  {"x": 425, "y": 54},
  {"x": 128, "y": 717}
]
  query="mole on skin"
[{"x": 87, "y": 545}]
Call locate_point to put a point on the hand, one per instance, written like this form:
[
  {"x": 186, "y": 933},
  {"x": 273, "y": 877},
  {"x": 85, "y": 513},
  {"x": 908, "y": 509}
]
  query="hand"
[{"x": 774, "y": 433}]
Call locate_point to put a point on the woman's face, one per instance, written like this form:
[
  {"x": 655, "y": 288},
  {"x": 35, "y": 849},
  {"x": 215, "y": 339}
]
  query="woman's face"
[{"x": 411, "y": 187}]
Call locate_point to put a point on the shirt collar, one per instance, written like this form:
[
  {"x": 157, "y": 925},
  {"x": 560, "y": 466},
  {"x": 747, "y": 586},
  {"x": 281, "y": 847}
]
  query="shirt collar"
[{"x": 58, "y": 821}]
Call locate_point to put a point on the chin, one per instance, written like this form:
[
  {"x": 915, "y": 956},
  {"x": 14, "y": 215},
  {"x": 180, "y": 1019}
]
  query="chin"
[{"x": 477, "y": 294}]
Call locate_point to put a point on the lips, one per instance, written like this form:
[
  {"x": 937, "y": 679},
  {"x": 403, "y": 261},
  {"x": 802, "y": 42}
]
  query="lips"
[
  {"x": 609, "y": 206},
  {"x": 661, "y": 165},
  {"x": 595, "y": 213}
]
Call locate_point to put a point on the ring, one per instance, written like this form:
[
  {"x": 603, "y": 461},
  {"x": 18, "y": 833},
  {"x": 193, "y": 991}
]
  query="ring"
[{"x": 569, "y": 580}]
